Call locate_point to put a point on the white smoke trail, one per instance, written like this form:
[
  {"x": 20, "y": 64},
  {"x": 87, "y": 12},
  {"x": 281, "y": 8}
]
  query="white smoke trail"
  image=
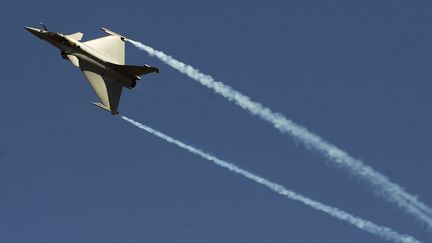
[
  {"x": 381, "y": 231},
  {"x": 386, "y": 189}
]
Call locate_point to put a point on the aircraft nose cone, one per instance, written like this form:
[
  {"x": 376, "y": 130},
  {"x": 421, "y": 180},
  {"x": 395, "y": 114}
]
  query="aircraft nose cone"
[{"x": 34, "y": 31}]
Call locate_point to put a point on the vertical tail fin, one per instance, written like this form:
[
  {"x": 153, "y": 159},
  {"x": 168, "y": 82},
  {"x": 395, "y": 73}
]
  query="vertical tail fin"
[{"x": 135, "y": 70}]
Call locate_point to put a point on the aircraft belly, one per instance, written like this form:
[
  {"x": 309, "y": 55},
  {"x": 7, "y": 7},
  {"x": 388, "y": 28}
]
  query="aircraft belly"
[{"x": 105, "y": 69}]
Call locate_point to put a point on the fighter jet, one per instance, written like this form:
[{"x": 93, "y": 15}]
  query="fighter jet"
[{"x": 102, "y": 61}]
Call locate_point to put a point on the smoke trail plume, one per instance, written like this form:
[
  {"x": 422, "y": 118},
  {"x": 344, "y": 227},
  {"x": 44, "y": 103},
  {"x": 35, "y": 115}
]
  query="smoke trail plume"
[
  {"x": 381, "y": 231},
  {"x": 388, "y": 190}
]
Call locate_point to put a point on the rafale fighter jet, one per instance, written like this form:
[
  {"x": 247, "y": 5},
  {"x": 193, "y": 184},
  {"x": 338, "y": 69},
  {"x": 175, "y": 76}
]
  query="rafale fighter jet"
[{"x": 102, "y": 62}]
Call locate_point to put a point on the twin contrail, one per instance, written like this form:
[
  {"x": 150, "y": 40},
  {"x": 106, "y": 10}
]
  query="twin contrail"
[
  {"x": 381, "y": 231},
  {"x": 388, "y": 190}
]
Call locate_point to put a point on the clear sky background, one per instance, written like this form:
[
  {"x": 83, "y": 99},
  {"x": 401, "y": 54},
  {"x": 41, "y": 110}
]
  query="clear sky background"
[{"x": 357, "y": 73}]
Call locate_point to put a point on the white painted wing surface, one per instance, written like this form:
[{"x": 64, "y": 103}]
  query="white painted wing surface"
[
  {"x": 107, "y": 89},
  {"x": 111, "y": 46}
]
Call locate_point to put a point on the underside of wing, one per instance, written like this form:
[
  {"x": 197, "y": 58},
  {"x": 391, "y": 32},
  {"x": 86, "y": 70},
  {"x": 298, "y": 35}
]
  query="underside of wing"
[
  {"x": 111, "y": 46},
  {"x": 107, "y": 89},
  {"x": 73, "y": 59}
]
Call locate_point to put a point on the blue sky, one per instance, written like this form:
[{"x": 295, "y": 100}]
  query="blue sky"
[{"x": 356, "y": 73}]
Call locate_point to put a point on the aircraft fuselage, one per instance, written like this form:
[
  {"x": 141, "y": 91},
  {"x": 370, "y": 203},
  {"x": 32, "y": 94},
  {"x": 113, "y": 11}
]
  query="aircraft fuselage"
[{"x": 85, "y": 53}]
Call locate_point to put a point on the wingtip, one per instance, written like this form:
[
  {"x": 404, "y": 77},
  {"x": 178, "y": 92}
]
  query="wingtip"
[
  {"x": 110, "y": 32},
  {"x": 113, "y": 112}
]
